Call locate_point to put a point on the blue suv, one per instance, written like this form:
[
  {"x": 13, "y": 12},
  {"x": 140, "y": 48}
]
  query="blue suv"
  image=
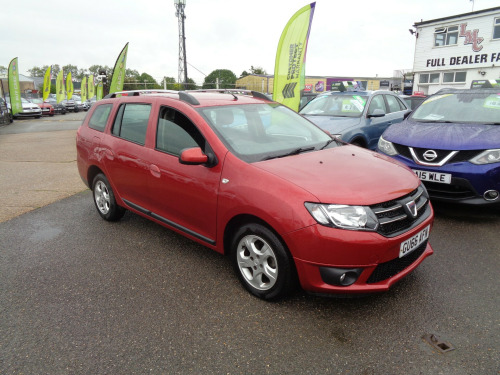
[
  {"x": 357, "y": 117},
  {"x": 452, "y": 142}
]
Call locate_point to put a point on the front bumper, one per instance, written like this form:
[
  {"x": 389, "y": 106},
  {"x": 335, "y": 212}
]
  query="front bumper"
[
  {"x": 320, "y": 251},
  {"x": 469, "y": 182}
]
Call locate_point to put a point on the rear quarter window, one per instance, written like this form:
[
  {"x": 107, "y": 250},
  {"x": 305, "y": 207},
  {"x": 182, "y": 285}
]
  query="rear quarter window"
[{"x": 100, "y": 117}]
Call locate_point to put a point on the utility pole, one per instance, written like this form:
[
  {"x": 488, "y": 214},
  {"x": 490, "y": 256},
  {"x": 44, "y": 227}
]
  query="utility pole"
[{"x": 179, "y": 13}]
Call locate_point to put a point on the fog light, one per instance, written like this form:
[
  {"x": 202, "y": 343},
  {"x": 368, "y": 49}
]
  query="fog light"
[
  {"x": 491, "y": 195},
  {"x": 340, "y": 276}
]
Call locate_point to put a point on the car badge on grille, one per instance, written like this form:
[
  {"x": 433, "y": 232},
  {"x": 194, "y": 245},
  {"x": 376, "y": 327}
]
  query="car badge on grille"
[
  {"x": 430, "y": 155},
  {"x": 412, "y": 208}
]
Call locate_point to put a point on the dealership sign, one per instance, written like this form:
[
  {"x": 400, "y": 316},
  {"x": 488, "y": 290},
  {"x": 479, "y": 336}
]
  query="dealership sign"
[{"x": 478, "y": 58}]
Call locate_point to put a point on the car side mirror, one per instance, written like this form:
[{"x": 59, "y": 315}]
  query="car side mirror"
[
  {"x": 377, "y": 113},
  {"x": 193, "y": 156}
]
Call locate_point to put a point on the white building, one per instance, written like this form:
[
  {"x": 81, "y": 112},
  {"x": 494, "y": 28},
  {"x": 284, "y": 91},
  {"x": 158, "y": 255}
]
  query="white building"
[{"x": 452, "y": 52}]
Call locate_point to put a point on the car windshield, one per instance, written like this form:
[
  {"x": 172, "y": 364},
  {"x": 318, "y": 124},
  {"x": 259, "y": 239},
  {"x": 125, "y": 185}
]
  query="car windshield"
[
  {"x": 256, "y": 132},
  {"x": 465, "y": 107},
  {"x": 339, "y": 105},
  {"x": 36, "y": 101}
]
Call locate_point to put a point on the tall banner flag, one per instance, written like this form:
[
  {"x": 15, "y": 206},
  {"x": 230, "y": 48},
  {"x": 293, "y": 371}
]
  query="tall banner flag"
[
  {"x": 289, "y": 68},
  {"x": 60, "y": 93},
  {"x": 83, "y": 89},
  {"x": 100, "y": 90},
  {"x": 14, "y": 88},
  {"x": 69, "y": 86},
  {"x": 118, "y": 77},
  {"x": 91, "y": 87},
  {"x": 46, "y": 83}
]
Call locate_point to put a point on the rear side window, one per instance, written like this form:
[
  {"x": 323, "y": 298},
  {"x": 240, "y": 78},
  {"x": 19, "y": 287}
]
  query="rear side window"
[
  {"x": 131, "y": 122},
  {"x": 100, "y": 117},
  {"x": 176, "y": 132}
]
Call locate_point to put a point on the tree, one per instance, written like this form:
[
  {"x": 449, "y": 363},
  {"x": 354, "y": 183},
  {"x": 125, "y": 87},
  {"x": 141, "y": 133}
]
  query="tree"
[
  {"x": 254, "y": 70},
  {"x": 70, "y": 68},
  {"x": 225, "y": 78},
  {"x": 37, "y": 71}
]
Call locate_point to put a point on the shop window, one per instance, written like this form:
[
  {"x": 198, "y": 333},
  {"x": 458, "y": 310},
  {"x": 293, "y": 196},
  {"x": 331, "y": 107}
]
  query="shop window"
[
  {"x": 452, "y": 77},
  {"x": 496, "y": 29},
  {"x": 429, "y": 78},
  {"x": 446, "y": 36}
]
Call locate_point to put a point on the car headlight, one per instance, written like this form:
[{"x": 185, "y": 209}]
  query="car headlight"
[
  {"x": 343, "y": 216},
  {"x": 386, "y": 147},
  {"x": 487, "y": 157}
]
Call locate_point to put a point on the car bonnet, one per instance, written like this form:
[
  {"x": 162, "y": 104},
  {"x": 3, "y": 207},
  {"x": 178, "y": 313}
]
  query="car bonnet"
[
  {"x": 345, "y": 175},
  {"x": 445, "y": 136}
]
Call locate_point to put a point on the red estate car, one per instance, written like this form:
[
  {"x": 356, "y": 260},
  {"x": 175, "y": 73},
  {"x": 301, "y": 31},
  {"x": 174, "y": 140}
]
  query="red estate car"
[{"x": 252, "y": 179}]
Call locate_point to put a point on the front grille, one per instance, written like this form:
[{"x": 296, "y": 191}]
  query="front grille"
[
  {"x": 395, "y": 216},
  {"x": 458, "y": 189},
  {"x": 461, "y": 156},
  {"x": 391, "y": 268}
]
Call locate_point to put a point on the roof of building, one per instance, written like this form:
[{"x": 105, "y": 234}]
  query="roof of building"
[{"x": 477, "y": 12}]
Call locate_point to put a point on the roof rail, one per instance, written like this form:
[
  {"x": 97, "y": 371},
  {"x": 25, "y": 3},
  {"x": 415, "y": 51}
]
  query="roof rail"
[
  {"x": 184, "y": 96},
  {"x": 233, "y": 92}
]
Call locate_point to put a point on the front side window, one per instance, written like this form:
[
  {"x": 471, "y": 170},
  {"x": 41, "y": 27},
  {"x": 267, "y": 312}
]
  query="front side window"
[
  {"x": 100, "y": 117},
  {"x": 377, "y": 103},
  {"x": 175, "y": 132},
  {"x": 445, "y": 36},
  {"x": 452, "y": 77},
  {"x": 496, "y": 29},
  {"x": 256, "y": 132},
  {"x": 131, "y": 122},
  {"x": 395, "y": 105}
]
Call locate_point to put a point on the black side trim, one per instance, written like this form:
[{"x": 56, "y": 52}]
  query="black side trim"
[{"x": 169, "y": 223}]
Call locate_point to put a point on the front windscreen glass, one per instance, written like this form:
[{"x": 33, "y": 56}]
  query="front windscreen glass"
[
  {"x": 256, "y": 132},
  {"x": 467, "y": 107},
  {"x": 336, "y": 105}
]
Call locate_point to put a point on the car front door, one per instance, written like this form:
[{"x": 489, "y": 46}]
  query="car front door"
[{"x": 182, "y": 196}]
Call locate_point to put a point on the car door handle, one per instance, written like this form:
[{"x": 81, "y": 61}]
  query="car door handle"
[{"x": 155, "y": 171}]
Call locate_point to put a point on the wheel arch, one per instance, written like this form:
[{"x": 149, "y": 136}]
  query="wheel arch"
[
  {"x": 241, "y": 220},
  {"x": 91, "y": 173}
]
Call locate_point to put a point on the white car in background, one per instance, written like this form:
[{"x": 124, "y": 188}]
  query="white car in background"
[{"x": 29, "y": 109}]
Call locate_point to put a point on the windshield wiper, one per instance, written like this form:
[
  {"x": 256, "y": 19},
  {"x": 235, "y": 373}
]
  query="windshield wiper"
[
  {"x": 293, "y": 152},
  {"x": 327, "y": 143}
]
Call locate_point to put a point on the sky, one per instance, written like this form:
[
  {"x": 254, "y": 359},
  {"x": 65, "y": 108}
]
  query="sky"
[{"x": 358, "y": 38}]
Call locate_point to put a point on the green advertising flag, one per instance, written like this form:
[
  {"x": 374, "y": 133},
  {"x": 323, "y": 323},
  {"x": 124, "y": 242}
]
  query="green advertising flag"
[
  {"x": 91, "y": 87},
  {"x": 289, "y": 68},
  {"x": 14, "y": 88},
  {"x": 60, "y": 93},
  {"x": 118, "y": 77},
  {"x": 46, "y": 83},
  {"x": 99, "y": 91},
  {"x": 83, "y": 93},
  {"x": 69, "y": 86}
]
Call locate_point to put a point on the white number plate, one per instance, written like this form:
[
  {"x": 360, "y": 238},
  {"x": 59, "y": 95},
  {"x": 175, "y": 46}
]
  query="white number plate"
[
  {"x": 412, "y": 243},
  {"x": 442, "y": 178}
]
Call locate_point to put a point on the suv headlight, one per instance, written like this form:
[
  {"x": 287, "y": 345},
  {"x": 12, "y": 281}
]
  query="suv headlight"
[
  {"x": 386, "y": 147},
  {"x": 343, "y": 216},
  {"x": 487, "y": 157}
]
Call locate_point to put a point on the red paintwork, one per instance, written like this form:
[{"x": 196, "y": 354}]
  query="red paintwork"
[{"x": 274, "y": 191}]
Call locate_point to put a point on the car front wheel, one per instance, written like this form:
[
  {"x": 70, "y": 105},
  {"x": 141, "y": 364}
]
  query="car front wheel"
[
  {"x": 262, "y": 262},
  {"x": 104, "y": 199}
]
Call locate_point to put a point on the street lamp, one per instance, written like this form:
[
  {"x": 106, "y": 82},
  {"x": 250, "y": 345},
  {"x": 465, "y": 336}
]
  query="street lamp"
[{"x": 179, "y": 7}]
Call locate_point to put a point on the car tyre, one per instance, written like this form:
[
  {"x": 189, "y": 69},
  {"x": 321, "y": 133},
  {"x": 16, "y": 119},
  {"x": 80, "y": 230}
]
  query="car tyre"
[
  {"x": 262, "y": 262},
  {"x": 104, "y": 199}
]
